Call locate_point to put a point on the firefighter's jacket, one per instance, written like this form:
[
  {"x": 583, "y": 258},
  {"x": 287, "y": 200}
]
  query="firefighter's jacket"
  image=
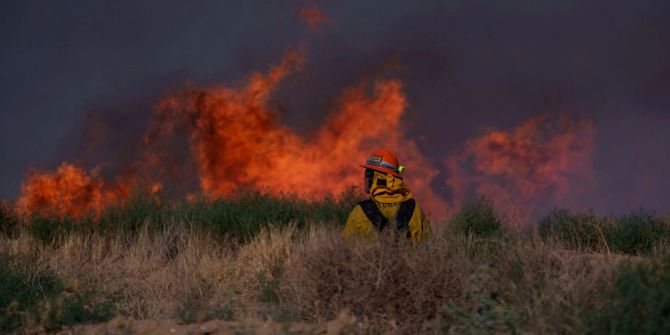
[{"x": 390, "y": 197}]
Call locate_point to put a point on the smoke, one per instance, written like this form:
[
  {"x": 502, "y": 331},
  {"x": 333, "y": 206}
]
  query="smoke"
[
  {"x": 460, "y": 110},
  {"x": 237, "y": 143},
  {"x": 540, "y": 162},
  {"x": 312, "y": 15}
]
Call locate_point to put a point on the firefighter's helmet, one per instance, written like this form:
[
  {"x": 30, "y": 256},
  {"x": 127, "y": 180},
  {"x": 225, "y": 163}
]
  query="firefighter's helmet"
[{"x": 384, "y": 161}]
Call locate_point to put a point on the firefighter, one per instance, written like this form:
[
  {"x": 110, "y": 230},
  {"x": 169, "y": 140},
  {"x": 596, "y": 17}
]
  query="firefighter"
[{"x": 390, "y": 206}]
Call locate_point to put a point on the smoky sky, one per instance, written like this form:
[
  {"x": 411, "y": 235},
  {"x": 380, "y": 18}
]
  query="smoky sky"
[{"x": 468, "y": 66}]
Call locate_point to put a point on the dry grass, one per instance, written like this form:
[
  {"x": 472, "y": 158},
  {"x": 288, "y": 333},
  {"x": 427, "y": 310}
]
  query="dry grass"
[
  {"x": 394, "y": 287},
  {"x": 146, "y": 275},
  {"x": 384, "y": 283},
  {"x": 312, "y": 276}
]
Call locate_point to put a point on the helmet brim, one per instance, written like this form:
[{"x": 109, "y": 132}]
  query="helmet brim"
[{"x": 382, "y": 170}]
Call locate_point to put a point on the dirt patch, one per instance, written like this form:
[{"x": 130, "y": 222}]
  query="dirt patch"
[{"x": 343, "y": 325}]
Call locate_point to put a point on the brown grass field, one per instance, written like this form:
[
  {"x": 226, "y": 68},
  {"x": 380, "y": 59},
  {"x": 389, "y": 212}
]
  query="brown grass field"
[{"x": 185, "y": 280}]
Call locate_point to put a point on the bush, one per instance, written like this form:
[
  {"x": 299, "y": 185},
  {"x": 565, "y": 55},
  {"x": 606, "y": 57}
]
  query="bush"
[
  {"x": 31, "y": 294},
  {"x": 637, "y": 233},
  {"x": 70, "y": 310},
  {"x": 245, "y": 216},
  {"x": 22, "y": 291},
  {"x": 241, "y": 217},
  {"x": 8, "y": 219},
  {"x": 198, "y": 305},
  {"x": 127, "y": 217},
  {"x": 482, "y": 310},
  {"x": 638, "y": 302},
  {"x": 379, "y": 282},
  {"x": 123, "y": 218},
  {"x": 478, "y": 218},
  {"x": 583, "y": 230},
  {"x": 51, "y": 228}
]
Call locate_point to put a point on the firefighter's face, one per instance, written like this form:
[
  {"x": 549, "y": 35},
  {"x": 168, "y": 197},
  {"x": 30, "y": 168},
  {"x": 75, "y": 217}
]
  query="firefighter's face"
[{"x": 368, "y": 178}]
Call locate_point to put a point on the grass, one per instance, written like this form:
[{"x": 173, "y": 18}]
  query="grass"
[
  {"x": 32, "y": 294},
  {"x": 638, "y": 300},
  {"x": 639, "y": 233},
  {"x": 478, "y": 218},
  {"x": 239, "y": 218},
  {"x": 257, "y": 258},
  {"x": 22, "y": 289}
]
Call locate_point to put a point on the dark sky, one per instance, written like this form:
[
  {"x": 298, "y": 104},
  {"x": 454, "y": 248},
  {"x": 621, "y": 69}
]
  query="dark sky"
[{"x": 468, "y": 65}]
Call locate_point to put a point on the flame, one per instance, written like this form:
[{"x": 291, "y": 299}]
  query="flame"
[
  {"x": 236, "y": 142},
  {"x": 69, "y": 191},
  {"x": 239, "y": 143},
  {"x": 540, "y": 158}
]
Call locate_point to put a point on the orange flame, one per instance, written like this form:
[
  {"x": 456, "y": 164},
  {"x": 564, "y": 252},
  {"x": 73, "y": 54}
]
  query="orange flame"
[
  {"x": 238, "y": 143},
  {"x": 539, "y": 158},
  {"x": 69, "y": 191}
]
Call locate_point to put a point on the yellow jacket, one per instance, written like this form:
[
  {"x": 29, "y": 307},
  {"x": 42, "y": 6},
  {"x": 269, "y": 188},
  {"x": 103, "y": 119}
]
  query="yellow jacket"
[{"x": 387, "y": 193}]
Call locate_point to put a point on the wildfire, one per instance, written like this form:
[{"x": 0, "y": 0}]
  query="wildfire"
[
  {"x": 237, "y": 142},
  {"x": 69, "y": 191},
  {"x": 540, "y": 158}
]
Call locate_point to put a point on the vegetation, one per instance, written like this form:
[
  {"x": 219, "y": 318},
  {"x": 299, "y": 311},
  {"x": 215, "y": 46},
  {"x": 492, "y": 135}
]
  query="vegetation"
[
  {"x": 32, "y": 294},
  {"x": 258, "y": 260},
  {"x": 639, "y": 233},
  {"x": 22, "y": 290},
  {"x": 638, "y": 300},
  {"x": 478, "y": 218},
  {"x": 239, "y": 218}
]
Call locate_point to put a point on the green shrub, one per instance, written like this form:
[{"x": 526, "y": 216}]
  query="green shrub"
[
  {"x": 22, "y": 291},
  {"x": 241, "y": 217},
  {"x": 8, "y": 219},
  {"x": 50, "y": 228},
  {"x": 638, "y": 302},
  {"x": 583, "y": 230},
  {"x": 71, "y": 310},
  {"x": 33, "y": 294},
  {"x": 481, "y": 310},
  {"x": 244, "y": 216},
  {"x": 640, "y": 232},
  {"x": 478, "y": 218},
  {"x": 128, "y": 216}
]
